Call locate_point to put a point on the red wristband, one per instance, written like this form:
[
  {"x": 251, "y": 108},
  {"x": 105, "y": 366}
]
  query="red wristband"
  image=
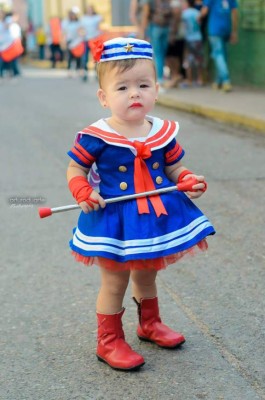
[
  {"x": 187, "y": 172},
  {"x": 183, "y": 174},
  {"x": 80, "y": 189}
]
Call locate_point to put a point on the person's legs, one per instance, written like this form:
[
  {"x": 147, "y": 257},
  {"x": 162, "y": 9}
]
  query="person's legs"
[
  {"x": 112, "y": 291},
  {"x": 159, "y": 41},
  {"x": 77, "y": 63},
  {"x": 112, "y": 347},
  {"x": 150, "y": 326},
  {"x": 15, "y": 67},
  {"x": 69, "y": 57},
  {"x": 41, "y": 52},
  {"x": 53, "y": 55},
  {"x": 218, "y": 53},
  {"x": 84, "y": 61},
  {"x": 1, "y": 67},
  {"x": 144, "y": 284},
  {"x": 188, "y": 65},
  {"x": 85, "y": 57},
  {"x": 60, "y": 52},
  {"x": 199, "y": 62}
]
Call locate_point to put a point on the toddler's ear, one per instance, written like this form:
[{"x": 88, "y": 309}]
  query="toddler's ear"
[{"x": 102, "y": 97}]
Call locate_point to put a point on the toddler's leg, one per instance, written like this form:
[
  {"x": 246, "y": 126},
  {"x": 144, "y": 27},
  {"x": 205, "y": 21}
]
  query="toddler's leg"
[
  {"x": 112, "y": 347},
  {"x": 150, "y": 326},
  {"x": 144, "y": 284},
  {"x": 112, "y": 291}
]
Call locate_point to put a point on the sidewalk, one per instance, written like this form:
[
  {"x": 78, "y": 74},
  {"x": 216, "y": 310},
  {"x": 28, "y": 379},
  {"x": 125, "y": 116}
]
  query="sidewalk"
[{"x": 241, "y": 107}]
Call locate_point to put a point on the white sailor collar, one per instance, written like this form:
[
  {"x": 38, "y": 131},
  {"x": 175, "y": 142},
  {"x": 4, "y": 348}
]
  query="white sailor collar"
[{"x": 161, "y": 133}]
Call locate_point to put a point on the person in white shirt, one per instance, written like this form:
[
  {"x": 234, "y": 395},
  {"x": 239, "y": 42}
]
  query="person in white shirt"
[
  {"x": 194, "y": 61},
  {"x": 2, "y": 40},
  {"x": 10, "y": 31},
  {"x": 71, "y": 31},
  {"x": 90, "y": 29}
]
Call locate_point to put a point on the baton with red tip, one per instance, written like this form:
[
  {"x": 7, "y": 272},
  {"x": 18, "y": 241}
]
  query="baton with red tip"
[{"x": 185, "y": 186}]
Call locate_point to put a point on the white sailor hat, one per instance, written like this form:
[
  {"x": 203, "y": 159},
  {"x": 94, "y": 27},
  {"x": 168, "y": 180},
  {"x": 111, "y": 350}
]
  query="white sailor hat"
[{"x": 121, "y": 48}]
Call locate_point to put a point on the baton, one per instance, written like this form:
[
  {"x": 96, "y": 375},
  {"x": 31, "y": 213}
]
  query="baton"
[{"x": 184, "y": 186}]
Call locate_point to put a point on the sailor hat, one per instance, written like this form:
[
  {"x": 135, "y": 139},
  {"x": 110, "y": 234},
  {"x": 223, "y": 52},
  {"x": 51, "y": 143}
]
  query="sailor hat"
[{"x": 120, "y": 48}]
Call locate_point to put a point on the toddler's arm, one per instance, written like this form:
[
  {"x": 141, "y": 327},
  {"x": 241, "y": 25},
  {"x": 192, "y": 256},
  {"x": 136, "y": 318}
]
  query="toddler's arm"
[
  {"x": 88, "y": 199},
  {"x": 178, "y": 173}
]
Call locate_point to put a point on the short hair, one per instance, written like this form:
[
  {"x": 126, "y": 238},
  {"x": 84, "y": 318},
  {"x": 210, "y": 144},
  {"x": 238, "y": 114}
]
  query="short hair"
[
  {"x": 122, "y": 66},
  {"x": 191, "y": 3}
]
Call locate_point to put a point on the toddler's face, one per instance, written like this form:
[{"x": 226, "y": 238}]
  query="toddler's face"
[{"x": 131, "y": 94}]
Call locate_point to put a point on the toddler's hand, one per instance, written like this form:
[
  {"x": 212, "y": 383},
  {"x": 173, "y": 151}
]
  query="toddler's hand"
[
  {"x": 199, "y": 188},
  {"x": 93, "y": 203}
]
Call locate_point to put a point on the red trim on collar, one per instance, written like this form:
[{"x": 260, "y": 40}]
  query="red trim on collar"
[{"x": 160, "y": 139}]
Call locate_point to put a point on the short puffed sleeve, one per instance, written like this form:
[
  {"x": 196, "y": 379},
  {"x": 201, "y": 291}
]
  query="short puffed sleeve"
[
  {"x": 86, "y": 150},
  {"x": 173, "y": 152}
]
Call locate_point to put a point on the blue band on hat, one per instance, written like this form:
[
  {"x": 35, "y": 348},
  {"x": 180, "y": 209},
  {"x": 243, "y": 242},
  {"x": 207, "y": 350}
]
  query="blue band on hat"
[
  {"x": 126, "y": 48},
  {"x": 124, "y": 54},
  {"x": 141, "y": 46}
]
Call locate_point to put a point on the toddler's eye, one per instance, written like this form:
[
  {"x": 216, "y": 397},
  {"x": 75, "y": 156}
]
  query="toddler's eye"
[
  {"x": 122, "y": 88},
  {"x": 144, "y": 85}
]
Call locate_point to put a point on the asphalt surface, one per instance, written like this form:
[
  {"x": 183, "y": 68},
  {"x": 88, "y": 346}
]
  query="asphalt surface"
[{"x": 48, "y": 324}]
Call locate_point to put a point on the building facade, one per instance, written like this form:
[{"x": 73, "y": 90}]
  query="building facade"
[{"x": 247, "y": 58}]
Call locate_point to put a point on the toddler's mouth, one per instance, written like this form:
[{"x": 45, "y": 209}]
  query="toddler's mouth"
[{"x": 135, "y": 105}]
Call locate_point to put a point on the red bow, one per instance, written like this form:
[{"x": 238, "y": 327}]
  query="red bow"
[
  {"x": 97, "y": 47},
  {"x": 143, "y": 181}
]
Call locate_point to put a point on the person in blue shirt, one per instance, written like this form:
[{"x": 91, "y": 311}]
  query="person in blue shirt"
[{"x": 222, "y": 28}]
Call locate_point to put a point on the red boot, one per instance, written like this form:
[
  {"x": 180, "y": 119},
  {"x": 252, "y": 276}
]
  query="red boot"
[
  {"x": 112, "y": 348},
  {"x": 150, "y": 327}
]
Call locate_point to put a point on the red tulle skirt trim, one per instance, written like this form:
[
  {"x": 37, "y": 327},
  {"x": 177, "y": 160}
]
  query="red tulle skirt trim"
[{"x": 154, "y": 263}]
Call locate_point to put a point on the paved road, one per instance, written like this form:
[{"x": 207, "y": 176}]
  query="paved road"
[{"x": 48, "y": 326}]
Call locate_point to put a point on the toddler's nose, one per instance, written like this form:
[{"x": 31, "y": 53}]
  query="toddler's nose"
[{"x": 134, "y": 92}]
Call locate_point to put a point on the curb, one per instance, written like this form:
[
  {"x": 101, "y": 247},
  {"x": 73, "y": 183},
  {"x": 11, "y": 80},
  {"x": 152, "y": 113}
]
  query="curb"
[
  {"x": 237, "y": 120},
  {"x": 215, "y": 114},
  {"x": 43, "y": 64}
]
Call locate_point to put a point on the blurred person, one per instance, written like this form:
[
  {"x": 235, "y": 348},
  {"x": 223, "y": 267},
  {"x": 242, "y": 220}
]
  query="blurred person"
[
  {"x": 193, "y": 62},
  {"x": 198, "y": 4},
  {"x": 222, "y": 29},
  {"x": 155, "y": 19},
  {"x": 89, "y": 29},
  {"x": 12, "y": 36},
  {"x": 2, "y": 41},
  {"x": 175, "y": 51},
  {"x": 41, "y": 41},
  {"x": 135, "y": 239},
  {"x": 135, "y": 14},
  {"x": 71, "y": 29},
  {"x": 54, "y": 34},
  {"x": 31, "y": 39}
]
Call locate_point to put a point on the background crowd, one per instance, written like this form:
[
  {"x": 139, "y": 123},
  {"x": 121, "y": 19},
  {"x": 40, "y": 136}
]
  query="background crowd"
[
  {"x": 185, "y": 35},
  {"x": 180, "y": 32},
  {"x": 66, "y": 39}
]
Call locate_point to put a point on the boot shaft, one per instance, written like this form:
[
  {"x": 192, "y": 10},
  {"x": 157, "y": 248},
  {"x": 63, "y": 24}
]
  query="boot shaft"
[
  {"x": 112, "y": 347},
  {"x": 110, "y": 326},
  {"x": 148, "y": 310},
  {"x": 152, "y": 329}
]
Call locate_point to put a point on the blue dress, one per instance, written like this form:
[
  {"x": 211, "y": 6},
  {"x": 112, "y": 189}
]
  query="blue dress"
[{"x": 144, "y": 229}]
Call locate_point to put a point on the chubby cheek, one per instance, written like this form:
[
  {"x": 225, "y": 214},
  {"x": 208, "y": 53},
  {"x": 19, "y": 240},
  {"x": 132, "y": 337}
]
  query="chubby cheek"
[{"x": 119, "y": 102}]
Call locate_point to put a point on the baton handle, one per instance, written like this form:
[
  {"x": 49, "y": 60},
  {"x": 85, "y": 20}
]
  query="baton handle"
[{"x": 184, "y": 186}]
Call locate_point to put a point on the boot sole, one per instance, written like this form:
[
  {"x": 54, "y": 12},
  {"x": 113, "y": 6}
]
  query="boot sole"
[
  {"x": 163, "y": 347},
  {"x": 135, "y": 368}
]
